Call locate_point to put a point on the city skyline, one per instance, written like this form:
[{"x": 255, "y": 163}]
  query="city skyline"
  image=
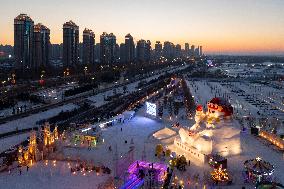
[{"x": 242, "y": 27}]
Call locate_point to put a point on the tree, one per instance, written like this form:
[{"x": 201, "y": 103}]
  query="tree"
[
  {"x": 165, "y": 100},
  {"x": 160, "y": 109},
  {"x": 173, "y": 162},
  {"x": 114, "y": 91},
  {"x": 176, "y": 108},
  {"x": 124, "y": 88},
  {"x": 168, "y": 153},
  {"x": 181, "y": 163},
  {"x": 159, "y": 150},
  {"x": 170, "y": 106}
]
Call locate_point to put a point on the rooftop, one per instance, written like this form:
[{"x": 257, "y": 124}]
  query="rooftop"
[
  {"x": 23, "y": 17},
  {"x": 70, "y": 24},
  {"x": 40, "y": 27}
]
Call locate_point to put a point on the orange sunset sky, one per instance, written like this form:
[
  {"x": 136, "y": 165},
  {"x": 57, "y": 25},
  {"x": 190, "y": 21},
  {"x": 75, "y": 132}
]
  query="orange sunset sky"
[{"x": 220, "y": 26}]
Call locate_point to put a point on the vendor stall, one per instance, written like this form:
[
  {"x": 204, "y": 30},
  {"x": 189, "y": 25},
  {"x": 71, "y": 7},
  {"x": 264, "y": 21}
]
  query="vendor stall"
[{"x": 258, "y": 170}]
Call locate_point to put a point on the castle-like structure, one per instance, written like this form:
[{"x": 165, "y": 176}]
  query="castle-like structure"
[{"x": 212, "y": 133}]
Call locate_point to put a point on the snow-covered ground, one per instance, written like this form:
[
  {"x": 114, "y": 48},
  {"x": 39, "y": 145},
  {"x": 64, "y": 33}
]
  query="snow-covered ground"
[
  {"x": 251, "y": 148},
  {"x": 30, "y": 121},
  {"x": 200, "y": 91},
  {"x": 50, "y": 176},
  {"x": 146, "y": 132},
  {"x": 9, "y": 111},
  {"x": 8, "y": 142},
  {"x": 98, "y": 100},
  {"x": 246, "y": 98},
  {"x": 53, "y": 95},
  {"x": 138, "y": 129},
  {"x": 40, "y": 176},
  {"x": 141, "y": 130},
  {"x": 253, "y": 70}
]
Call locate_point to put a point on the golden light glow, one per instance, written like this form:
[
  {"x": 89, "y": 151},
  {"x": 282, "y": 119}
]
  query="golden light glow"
[
  {"x": 220, "y": 175},
  {"x": 274, "y": 139},
  {"x": 48, "y": 136},
  {"x": 27, "y": 157}
]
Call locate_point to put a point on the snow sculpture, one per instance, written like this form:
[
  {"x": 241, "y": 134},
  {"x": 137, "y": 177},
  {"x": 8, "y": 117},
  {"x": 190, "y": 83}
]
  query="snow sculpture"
[
  {"x": 219, "y": 108},
  {"x": 199, "y": 116},
  {"x": 208, "y": 135}
]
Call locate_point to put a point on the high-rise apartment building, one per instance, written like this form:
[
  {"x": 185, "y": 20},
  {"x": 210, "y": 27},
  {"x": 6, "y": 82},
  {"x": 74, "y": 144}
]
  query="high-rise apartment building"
[
  {"x": 140, "y": 50},
  {"x": 56, "y": 51},
  {"x": 192, "y": 48},
  {"x": 169, "y": 50},
  {"x": 122, "y": 53},
  {"x": 107, "y": 48},
  {"x": 88, "y": 47},
  {"x": 143, "y": 51},
  {"x": 117, "y": 52},
  {"x": 178, "y": 51},
  {"x": 41, "y": 47},
  {"x": 186, "y": 49},
  {"x": 97, "y": 52},
  {"x": 158, "y": 49},
  {"x": 23, "y": 41},
  {"x": 129, "y": 48},
  {"x": 148, "y": 51},
  {"x": 196, "y": 52},
  {"x": 70, "y": 44}
]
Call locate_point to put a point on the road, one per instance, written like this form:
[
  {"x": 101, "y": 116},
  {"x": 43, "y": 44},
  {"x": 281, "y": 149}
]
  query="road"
[{"x": 80, "y": 96}]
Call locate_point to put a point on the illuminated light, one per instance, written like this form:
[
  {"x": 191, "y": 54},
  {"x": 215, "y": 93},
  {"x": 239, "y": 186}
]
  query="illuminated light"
[
  {"x": 84, "y": 130},
  {"x": 151, "y": 109},
  {"x": 160, "y": 167},
  {"x": 198, "y": 147}
]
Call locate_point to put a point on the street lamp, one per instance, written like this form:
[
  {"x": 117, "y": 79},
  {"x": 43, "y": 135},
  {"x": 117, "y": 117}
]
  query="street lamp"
[
  {"x": 86, "y": 69},
  {"x": 13, "y": 78},
  {"x": 66, "y": 72}
]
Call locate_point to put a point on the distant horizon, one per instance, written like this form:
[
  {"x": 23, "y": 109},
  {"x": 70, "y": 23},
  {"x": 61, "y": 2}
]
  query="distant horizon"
[
  {"x": 221, "y": 27},
  {"x": 277, "y": 54}
]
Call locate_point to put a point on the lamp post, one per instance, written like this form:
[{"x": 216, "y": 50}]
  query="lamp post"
[
  {"x": 85, "y": 70},
  {"x": 66, "y": 72},
  {"x": 13, "y": 78}
]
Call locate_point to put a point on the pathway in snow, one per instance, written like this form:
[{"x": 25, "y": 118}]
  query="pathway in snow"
[
  {"x": 8, "y": 142},
  {"x": 30, "y": 121},
  {"x": 138, "y": 129}
]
